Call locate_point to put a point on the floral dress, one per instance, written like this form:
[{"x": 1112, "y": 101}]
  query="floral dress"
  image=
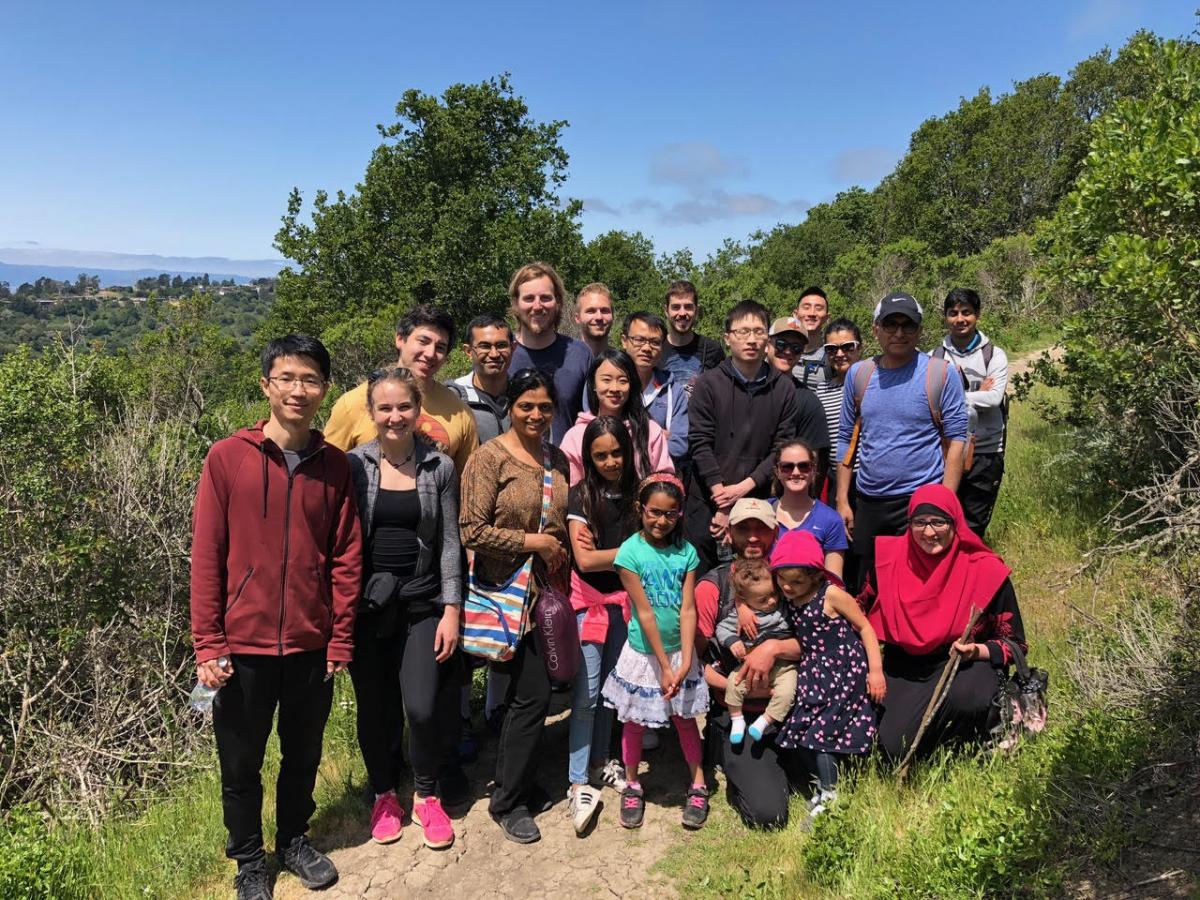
[{"x": 832, "y": 713}]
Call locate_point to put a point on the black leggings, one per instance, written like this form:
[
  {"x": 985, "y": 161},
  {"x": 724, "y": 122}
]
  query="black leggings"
[
  {"x": 404, "y": 663},
  {"x": 528, "y": 703},
  {"x": 875, "y": 517}
]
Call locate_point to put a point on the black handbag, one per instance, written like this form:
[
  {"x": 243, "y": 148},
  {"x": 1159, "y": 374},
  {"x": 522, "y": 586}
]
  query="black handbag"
[{"x": 1021, "y": 700}]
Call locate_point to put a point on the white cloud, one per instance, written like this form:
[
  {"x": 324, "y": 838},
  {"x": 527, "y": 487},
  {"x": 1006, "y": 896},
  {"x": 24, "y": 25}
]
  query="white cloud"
[
  {"x": 693, "y": 163},
  {"x": 863, "y": 165},
  {"x": 597, "y": 205}
]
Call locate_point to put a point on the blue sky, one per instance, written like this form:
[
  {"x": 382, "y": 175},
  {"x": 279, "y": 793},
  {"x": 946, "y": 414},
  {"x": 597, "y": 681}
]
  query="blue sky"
[{"x": 179, "y": 129}]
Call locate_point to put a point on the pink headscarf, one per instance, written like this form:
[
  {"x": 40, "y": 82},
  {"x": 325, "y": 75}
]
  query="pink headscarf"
[{"x": 924, "y": 601}]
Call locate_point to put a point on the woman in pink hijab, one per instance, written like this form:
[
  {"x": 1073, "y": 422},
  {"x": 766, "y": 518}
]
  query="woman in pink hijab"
[{"x": 918, "y": 599}]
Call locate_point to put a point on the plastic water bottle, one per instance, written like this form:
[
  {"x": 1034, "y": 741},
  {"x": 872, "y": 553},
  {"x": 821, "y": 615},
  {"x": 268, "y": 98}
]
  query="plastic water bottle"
[{"x": 201, "y": 699}]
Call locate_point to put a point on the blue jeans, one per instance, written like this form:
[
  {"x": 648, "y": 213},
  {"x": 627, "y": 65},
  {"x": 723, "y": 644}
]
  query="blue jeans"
[{"x": 591, "y": 722}]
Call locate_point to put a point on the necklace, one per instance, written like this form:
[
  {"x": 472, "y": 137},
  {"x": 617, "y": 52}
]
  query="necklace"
[{"x": 403, "y": 462}]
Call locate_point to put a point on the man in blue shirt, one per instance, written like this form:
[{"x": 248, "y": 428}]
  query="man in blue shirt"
[
  {"x": 537, "y": 295},
  {"x": 900, "y": 445}
]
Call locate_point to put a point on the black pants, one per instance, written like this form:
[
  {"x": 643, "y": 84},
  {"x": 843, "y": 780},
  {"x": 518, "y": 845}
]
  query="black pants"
[
  {"x": 966, "y": 715},
  {"x": 528, "y": 703},
  {"x": 242, "y": 714},
  {"x": 403, "y": 663},
  {"x": 873, "y": 517},
  {"x": 979, "y": 488},
  {"x": 759, "y": 777}
]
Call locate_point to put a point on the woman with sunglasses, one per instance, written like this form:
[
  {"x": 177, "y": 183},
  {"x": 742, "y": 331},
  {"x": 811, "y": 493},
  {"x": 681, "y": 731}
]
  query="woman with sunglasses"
[
  {"x": 918, "y": 599},
  {"x": 501, "y": 509},
  {"x": 797, "y": 509}
]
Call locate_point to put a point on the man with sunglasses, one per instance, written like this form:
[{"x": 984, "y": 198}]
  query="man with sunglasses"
[
  {"x": 888, "y": 419},
  {"x": 785, "y": 350}
]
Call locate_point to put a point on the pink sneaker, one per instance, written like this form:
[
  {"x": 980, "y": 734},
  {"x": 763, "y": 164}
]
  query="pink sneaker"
[
  {"x": 428, "y": 813},
  {"x": 387, "y": 819}
]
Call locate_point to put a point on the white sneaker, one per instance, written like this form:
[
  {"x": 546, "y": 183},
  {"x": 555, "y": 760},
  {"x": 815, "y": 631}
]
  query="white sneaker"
[
  {"x": 649, "y": 739},
  {"x": 583, "y": 806},
  {"x": 611, "y": 774}
]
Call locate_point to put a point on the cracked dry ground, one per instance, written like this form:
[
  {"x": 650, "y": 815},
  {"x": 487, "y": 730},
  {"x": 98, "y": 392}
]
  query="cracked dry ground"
[{"x": 609, "y": 861}]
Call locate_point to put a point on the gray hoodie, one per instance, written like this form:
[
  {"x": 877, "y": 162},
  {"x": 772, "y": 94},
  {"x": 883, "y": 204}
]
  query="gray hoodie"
[{"x": 989, "y": 434}]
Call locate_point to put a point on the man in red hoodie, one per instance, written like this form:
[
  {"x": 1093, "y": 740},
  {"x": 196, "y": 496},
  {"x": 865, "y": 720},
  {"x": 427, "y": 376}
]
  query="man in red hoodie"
[{"x": 276, "y": 565}]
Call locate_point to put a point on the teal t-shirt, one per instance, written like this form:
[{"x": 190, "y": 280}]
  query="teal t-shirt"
[{"x": 661, "y": 570}]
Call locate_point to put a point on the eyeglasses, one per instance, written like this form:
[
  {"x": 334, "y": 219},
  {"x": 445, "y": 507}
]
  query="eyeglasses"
[
  {"x": 783, "y": 345},
  {"x": 935, "y": 523},
  {"x": 787, "y": 468},
  {"x": 747, "y": 332},
  {"x": 669, "y": 514},
  {"x": 286, "y": 383},
  {"x": 643, "y": 341},
  {"x": 498, "y": 347},
  {"x": 848, "y": 347},
  {"x": 908, "y": 326}
]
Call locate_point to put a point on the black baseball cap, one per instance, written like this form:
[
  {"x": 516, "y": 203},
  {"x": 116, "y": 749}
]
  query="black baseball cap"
[{"x": 901, "y": 303}]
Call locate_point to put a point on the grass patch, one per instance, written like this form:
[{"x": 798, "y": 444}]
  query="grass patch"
[{"x": 966, "y": 825}]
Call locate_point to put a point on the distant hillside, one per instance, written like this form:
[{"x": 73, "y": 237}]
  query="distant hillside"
[{"x": 16, "y": 275}]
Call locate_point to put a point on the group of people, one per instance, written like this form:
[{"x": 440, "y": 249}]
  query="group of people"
[{"x": 671, "y": 492}]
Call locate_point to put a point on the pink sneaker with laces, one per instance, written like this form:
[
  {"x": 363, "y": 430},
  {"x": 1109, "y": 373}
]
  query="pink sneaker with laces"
[
  {"x": 428, "y": 813},
  {"x": 387, "y": 819}
]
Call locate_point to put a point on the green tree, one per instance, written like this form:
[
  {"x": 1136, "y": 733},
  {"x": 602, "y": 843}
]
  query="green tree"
[
  {"x": 462, "y": 191},
  {"x": 625, "y": 262},
  {"x": 1127, "y": 240}
]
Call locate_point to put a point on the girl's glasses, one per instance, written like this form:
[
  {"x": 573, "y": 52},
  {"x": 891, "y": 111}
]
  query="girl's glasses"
[
  {"x": 669, "y": 514},
  {"x": 787, "y": 468}
]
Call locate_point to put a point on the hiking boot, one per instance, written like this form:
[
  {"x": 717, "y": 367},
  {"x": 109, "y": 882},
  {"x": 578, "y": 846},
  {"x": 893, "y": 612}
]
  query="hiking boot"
[
  {"x": 253, "y": 882},
  {"x": 583, "y": 803},
  {"x": 314, "y": 869},
  {"x": 434, "y": 822},
  {"x": 518, "y": 826},
  {"x": 387, "y": 819},
  {"x": 695, "y": 808},
  {"x": 611, "y": 774},
  {"x": 633, "y": 807}
]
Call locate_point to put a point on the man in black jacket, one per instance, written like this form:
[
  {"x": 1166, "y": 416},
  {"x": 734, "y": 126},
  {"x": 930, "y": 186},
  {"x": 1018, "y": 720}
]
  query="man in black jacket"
[{"x": 740, "y": 412}]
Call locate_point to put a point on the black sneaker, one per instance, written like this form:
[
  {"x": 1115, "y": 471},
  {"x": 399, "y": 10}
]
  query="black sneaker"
[
  {"x": 633, "y": 807},
  {"x": 518, "y": 826},
  {"x": 253, "y": 882},
  {"x": 314, "y": 869},
  {"x": 695, "y": 808}
]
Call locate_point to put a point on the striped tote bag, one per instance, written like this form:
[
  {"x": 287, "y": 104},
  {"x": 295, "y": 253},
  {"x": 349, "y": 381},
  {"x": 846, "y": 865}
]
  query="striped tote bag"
[{"x": 496, "y": 616}]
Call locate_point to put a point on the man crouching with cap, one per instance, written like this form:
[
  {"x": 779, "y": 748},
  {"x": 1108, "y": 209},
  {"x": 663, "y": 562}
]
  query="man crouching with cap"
[
  {"x": 759, "y": 776},
  {"x": 905, "y": 417}
]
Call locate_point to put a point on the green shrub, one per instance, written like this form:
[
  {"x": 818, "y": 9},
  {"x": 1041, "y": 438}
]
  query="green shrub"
[{"x": 34, "y": 860}]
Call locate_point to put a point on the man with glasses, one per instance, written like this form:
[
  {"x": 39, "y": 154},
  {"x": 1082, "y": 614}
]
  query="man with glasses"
[
  {"x": 740, "y": 412},
  {"x": 643, "y": 336},
  {"x": 687, "y": 352},
  {"x": 536, "y": 295},
  {"x": 812, "y": 312},
  {"x": 423, "y": 338},
  {"x": 784, "y": 350},
  {"x": 906, "y": 418},
  {"x": 276, "y": 571},
  {"x": 594, "y": 316},
  {"x": 489, "y": 346}
]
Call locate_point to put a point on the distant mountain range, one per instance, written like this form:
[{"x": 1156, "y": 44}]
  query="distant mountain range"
[{"x": 27, "y": 264}]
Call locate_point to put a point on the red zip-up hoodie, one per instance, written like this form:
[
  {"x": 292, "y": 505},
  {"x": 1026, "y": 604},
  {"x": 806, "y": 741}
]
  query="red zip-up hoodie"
[{"x": 276, "y": 558}]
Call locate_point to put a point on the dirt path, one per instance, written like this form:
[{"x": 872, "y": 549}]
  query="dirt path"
[{"x": 609, "y": 861}]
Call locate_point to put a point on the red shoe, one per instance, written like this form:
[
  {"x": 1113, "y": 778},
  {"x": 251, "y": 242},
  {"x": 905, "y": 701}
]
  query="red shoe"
[
  {"x": 428, "y": 813},
  {"x": 387, "y": 819}
]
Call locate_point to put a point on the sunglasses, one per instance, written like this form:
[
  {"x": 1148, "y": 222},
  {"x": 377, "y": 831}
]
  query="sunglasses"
[
  {"x": 787, "y": 468},
  {"x": 848, "y": 347},
  {"x": 783, "y": 345}
]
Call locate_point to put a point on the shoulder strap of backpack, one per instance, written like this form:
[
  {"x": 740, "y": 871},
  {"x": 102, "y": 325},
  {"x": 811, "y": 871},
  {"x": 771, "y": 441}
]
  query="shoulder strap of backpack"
[
  {"x": 935, "y": 382},
  {"x": 989, "y": 350},
  {"x": 938, "y": 352},
  {"x": 862, "y": 377}
]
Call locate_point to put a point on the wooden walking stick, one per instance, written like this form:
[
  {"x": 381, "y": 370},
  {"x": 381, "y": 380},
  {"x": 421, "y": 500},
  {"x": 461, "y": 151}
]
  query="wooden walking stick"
[{"x": 940, "y": 692}]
